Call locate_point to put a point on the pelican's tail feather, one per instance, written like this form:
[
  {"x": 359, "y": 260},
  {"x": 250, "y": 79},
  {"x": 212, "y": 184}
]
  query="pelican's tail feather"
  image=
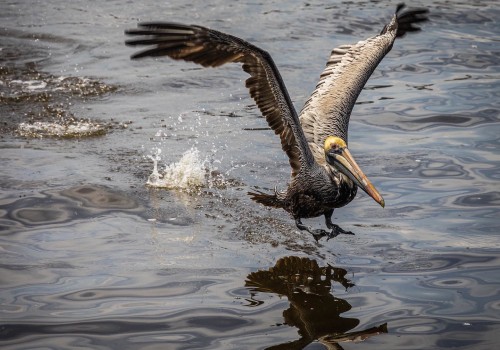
[{"x": 269, "y": 200}]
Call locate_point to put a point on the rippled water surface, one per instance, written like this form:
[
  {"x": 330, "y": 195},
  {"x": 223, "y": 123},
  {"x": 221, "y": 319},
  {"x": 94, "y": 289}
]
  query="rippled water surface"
[{"x": 92, "y": 258}]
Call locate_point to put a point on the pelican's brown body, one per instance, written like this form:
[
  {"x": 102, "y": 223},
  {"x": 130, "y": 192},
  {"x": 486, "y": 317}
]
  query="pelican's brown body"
[
  {"x": 324, "y": 174},
  {"x": 311, "y": 194}
]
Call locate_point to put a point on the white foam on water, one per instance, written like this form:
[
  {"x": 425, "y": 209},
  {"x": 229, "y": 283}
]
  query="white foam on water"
[
  {"x": 189, "y": 173},
  {"x": 50, "y": 129},
  {"x": 193, "y": 170},
  {"x": 30, "y": 85}
]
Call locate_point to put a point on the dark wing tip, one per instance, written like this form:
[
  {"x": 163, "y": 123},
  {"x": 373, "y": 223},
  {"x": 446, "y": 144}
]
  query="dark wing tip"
[
  {"x": 407, "y": 19},
  {"x": 400, "y": 6},
  {"x": 143, "y": 53},
  {"x": 161, "y": 38},
  {"x": 163, "y": 25}
]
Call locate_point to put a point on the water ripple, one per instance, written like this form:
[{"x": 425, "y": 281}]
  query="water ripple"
[
  {"x": 56, "y": 208},
  {"x": 488, "y": 199},
  {"x": 442, "y": 263},
  {"x": 400, "y": 121}
]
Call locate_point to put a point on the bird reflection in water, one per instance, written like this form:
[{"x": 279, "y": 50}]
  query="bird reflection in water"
[{"x": 313, "y": 309}]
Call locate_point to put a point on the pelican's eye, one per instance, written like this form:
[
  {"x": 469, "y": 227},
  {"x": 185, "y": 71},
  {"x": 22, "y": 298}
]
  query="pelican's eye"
[
  {"x": 337, "y": 149},
  {"x": 334, "y": 145}
]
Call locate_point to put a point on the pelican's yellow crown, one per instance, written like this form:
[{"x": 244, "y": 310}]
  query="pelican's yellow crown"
[{"x": 334, "y": 142}]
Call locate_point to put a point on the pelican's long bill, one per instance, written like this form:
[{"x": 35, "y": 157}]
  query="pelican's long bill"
[{"x": 343, "y": 161}]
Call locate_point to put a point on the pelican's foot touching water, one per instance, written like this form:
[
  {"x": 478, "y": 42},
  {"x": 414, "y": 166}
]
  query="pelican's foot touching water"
[
  {"x": 337, "y": 230},
  {"x": 320, "y": 233}
]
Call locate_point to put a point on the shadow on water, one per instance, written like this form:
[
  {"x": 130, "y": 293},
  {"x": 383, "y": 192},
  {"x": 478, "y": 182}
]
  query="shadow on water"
[{"x": 314, "y": 310}]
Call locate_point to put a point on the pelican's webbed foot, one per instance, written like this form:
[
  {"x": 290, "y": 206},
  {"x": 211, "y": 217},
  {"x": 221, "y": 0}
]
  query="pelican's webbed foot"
[
  {"x": 337, "y": 230},
  {"x": 319, "y": 233}
]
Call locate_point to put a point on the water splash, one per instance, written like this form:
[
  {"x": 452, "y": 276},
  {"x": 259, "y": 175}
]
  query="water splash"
[{"x": 190, "y": 173}]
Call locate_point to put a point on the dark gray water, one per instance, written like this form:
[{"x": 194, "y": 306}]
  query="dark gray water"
[{"x": 92, "y": 258}]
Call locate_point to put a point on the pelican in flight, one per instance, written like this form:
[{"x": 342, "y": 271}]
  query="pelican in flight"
[{"x": 324, "y": 174}]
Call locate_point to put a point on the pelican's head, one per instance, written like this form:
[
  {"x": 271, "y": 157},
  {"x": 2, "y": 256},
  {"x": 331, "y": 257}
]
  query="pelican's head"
[{"x": 339, "y": 157}]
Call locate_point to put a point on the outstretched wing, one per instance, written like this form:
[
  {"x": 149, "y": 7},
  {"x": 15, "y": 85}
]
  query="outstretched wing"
[
  {"x": 327, "y": 111},
  {"x": 211, "y": 48}
]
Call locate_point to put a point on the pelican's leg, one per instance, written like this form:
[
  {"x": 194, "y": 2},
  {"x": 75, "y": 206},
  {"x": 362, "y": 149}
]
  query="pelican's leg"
[
  {"x": 336, "y": 229},
  {"x": 317, "y": 234},
  {"x": 328, "y": 219}
]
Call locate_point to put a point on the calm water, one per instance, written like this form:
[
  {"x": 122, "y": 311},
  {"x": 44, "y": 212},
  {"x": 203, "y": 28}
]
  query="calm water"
[{"x": 92, "y": 258}]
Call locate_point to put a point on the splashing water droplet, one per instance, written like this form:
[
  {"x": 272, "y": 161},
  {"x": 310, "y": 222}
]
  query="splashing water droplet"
[{"x": 188, "y": 174}]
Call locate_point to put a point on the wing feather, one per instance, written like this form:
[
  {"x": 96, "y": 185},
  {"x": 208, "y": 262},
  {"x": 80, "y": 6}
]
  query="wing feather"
[
  {"x": 211, "y": 48},
  {"x": 328, "y": 110}
]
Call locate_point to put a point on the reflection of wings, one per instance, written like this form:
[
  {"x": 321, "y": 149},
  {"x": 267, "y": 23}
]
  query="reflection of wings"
[
  {"x": 354, "y": 336},
  {"x": 313, "y": 310},
  {"x": 298, "y": 344},
  {"x": 211, "y": 48},
  {"x": 293, "y": 272},
  {"x": 328, "y": 110}
]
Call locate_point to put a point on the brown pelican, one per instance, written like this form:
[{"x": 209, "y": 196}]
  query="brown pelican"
[{"x": 324, "y": 175}]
